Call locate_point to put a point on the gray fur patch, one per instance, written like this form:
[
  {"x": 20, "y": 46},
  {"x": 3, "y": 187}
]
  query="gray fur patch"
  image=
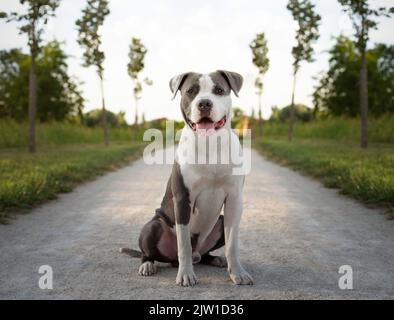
[
  {"x": 181, "y": 196},
  {"x": 188, "y": 84},
  {"x": 220, "y": 81},
  {"x": 234, "y": 80},
  {"x": 189, "y": 90}
]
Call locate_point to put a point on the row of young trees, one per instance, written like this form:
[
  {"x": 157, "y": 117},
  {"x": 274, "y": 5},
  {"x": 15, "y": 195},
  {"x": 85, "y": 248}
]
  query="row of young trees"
[
  {"x": 363, "y": 17},
  {"x": 32, "y": 23}
]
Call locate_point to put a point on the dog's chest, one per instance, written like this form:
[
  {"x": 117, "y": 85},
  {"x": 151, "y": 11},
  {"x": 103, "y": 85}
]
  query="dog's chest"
[{"x": 208, "y": 186}]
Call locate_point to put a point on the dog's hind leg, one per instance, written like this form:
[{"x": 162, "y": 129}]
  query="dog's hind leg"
[
  {"x": 148, "y": 241},
  {"x": 216, "y": 261},
  {"x": 157, "y": 244}
]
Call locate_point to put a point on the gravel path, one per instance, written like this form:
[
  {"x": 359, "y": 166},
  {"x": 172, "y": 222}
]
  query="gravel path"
[{"x": 295, "y": 234}]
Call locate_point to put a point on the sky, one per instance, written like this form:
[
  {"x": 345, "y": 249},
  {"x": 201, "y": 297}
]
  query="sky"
[{"x": 200, "y": 36}]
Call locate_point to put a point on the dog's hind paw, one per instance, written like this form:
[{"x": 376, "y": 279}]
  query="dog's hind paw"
[
  {"x": 218, "y": 261},
  {"x": 148, "y": 268}
]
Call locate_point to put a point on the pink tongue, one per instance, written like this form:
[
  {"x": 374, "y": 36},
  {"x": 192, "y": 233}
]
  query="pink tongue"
[{"x": 205, "y": 126}]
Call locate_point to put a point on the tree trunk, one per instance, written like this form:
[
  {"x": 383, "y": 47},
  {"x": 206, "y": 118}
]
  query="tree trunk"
[
  {"x": 364, "y": 100},
  {"x": 136, "y": 111},
  {"x": 292, "y": 111},
  {"x": 135, "y": 127},
  {"x": 260, "y": 117},
  {"x": 104, "y": 114},
  {"x": 32, "y": 103}
]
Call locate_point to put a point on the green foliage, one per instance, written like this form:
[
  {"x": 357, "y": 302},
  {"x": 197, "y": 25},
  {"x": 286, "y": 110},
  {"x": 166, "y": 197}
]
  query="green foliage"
[
  {"x": 337, "y": 92},
  {"x": 260, "y": 53},
  {"x": 88, "y": 33},
  {"x": 72, "y": 131},
  {"x": 27, "y": 180},
  {"x": 93, "y": 118},
  {"x": 301, "y": 112},
  {"x": 261, "y": 61},
  {"x": 307, "y": 32},
  {"x": 258, "y": 85},
  {"x": 367, "y": 175},
  {"x": 362, "y": 16},
  {"x": 13, "y": 134},
  {"x": 136, "y": 64},
  {"x": 137, "y": 52},
  {"x": 33, "y": 21},
  {"x": 337, "y": 129},
  {"x": 58, "y": 93}
]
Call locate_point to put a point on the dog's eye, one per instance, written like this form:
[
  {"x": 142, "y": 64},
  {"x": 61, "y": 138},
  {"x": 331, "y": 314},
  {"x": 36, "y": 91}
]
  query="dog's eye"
[
  {"x": 190, "y": 91},
  {"x": 218, "y": 90}
]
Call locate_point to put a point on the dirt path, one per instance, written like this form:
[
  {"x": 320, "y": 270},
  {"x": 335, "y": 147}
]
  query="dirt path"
[{"x": 295, "y": 235}]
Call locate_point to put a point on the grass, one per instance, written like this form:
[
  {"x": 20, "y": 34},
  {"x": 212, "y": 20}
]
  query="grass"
[
  {"x": 367, "y": 175},
  {"x": 381, "y": 130},
  {"x": 14, "y": 134},
  {"x": 27, "y": 180}
]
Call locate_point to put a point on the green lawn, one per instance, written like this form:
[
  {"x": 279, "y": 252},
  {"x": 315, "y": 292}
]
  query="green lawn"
[
  {"x": 367, "y": 175},
  {"x": 27, "y": 180}
]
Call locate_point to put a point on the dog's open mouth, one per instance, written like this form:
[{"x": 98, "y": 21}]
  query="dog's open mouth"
[{"x": 206, "y": 124}]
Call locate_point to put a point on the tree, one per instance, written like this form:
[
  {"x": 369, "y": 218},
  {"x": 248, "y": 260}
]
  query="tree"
[
  {"x": 303, "y": 12},
  {"x": 89, "y": 39},
  {"x": 301, "y": 112},
  {"x": 93, "y": 118},
  {"x": 137, "y": 52},
  {"x": 362, "y": 16},
  {"x": 58, "y": 94},
  {"x": 32, "y": 24},
  {"x": 261, "y": 61},
  {"x": 337, "y": 91}
]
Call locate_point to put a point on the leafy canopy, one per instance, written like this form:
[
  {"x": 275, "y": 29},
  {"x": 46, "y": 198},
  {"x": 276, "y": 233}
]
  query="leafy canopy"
[
  {"x": 260, "y": 53},
  {"x": 337, "y": 92},
  {"x": 308, "y": 30},
  {"x": 88, "y": 33},
  {"x": 58, "y": 94},
  {"x": 137, "y": 52},
  {"x": 33, "y": 21},
  {"x": 362, "y": 16}
]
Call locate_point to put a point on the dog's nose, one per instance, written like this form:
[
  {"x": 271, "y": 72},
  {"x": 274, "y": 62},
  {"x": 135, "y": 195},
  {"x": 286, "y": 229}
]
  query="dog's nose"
[{"x": 205, "y": 105}]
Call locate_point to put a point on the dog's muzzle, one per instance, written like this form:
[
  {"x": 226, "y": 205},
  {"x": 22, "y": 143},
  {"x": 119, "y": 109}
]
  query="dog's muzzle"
[{"x": 207, "y": 126}]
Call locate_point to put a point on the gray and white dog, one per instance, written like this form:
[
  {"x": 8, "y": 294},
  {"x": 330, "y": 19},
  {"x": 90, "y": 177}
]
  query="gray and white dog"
[{"x": 189, "y": 224}]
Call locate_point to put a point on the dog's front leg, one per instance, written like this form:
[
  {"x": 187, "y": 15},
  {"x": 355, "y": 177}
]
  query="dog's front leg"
[
  {"x": 182, "y": 210},
  {"x": 232, "y": 218},
  {"x": 186, "y": 276}
]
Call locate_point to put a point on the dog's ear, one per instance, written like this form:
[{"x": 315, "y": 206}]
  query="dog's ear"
[
  {"x": 234, "y": 80},
  {"x": 177, "y": 82}
]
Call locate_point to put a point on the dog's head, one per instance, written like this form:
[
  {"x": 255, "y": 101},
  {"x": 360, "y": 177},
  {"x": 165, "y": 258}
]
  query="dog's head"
[{"x": 206, "y": 100}]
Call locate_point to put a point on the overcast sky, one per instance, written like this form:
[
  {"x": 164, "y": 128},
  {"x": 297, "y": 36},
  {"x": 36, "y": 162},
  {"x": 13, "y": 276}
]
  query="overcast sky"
[{"x": 200, "y": 36}]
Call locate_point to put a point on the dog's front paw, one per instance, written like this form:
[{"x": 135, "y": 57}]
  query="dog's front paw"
[
  {"x": 241, "y": 277},
  {"x": 186, "y": 277}
]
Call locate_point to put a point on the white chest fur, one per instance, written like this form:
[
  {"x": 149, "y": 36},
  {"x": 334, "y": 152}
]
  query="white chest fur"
[{"x": 208, "y": 183}]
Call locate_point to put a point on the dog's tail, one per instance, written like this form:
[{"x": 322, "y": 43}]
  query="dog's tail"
[{"x": 131, "y": 252}]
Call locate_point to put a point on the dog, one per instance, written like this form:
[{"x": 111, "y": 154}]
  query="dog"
[{"x": 189, "y": 224}]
